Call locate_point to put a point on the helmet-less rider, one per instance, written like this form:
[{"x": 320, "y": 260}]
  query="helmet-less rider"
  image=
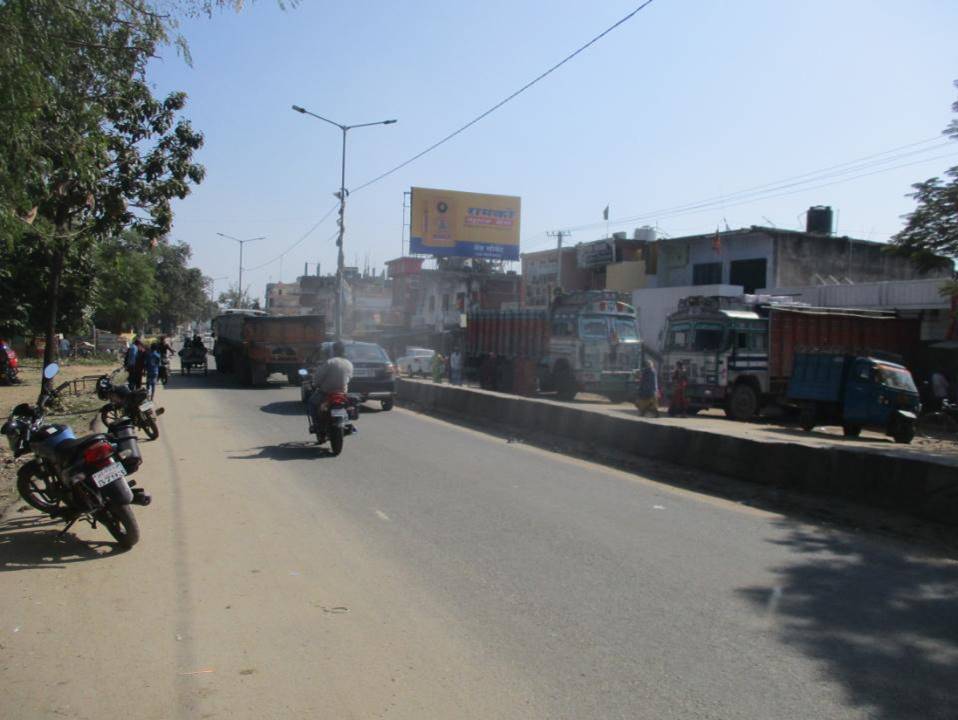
[{"x": 332, "y": 376}]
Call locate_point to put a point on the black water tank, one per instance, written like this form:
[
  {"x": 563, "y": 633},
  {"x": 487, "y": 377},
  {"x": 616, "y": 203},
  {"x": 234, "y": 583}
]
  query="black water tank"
[{"x": 819, "y": 220}]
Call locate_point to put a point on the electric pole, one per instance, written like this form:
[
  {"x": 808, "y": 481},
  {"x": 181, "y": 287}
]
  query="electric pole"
[{"x": 558, "y": 235}]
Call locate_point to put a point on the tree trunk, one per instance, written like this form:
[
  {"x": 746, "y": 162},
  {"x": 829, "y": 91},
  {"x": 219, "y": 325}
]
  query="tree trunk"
[{"x": 56, "y": 272}]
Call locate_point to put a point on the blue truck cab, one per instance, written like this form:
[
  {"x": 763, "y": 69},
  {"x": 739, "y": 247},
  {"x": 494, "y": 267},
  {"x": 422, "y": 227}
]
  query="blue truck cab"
[{"x": 854, "y": 392}]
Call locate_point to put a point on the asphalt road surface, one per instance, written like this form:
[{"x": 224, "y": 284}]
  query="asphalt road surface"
[{"x": 435, "y": 572}]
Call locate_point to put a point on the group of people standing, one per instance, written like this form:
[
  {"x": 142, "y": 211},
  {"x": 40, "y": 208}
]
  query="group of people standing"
[
  {"x": 450, "y": 367},
  {"x": 647, "y": 399},
  {"x": 142, "y": 360}
]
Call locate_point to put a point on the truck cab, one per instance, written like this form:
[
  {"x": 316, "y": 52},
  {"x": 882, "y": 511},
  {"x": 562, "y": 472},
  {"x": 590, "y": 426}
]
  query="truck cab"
[{"x": 855, "y": 392}]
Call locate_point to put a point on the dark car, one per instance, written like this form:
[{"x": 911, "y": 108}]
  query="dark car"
[{"x": 374, "y": 375}]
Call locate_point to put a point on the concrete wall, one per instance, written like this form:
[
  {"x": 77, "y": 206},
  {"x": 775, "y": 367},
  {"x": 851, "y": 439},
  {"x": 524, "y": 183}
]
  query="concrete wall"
[
  {"x": 625, "y": 276},
  {"x": 904, "y": 484},
  {"x": 654, "y": 306},
  {"x": 677, "y": 257}
]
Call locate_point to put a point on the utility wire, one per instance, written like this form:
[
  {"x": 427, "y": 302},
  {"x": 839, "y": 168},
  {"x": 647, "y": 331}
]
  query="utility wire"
[
  {"x": 297, "y": 243},
  {"x": 502, "y": 102}
]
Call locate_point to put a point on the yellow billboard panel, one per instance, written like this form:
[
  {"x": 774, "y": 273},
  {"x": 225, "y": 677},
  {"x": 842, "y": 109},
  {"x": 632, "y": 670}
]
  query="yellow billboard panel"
[{"x": 462, "y": 224}]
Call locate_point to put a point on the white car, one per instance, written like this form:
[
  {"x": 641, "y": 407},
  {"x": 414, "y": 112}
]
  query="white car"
[{"x": 416, "y": 361}]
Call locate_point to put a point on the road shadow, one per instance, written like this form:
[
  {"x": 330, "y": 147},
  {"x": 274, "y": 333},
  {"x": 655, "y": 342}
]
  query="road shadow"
[
  {"x": 284, "y": 407},
  {"x": 33, "y": 542},
  {"x": 301, "y": 450},
  {"x": 820, "y": 435},
  {"x": 216, "y": 380},
  {"x": 878, "y": 621}
]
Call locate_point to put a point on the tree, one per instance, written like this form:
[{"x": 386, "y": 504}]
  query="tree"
[
  {"x": 182, "y": 290},
  {"x": 930, "y": 235},
  {"x": 231, "y": 299},
  {"x": 126, "y": 289},
  {"x": 87, "y": 151}
]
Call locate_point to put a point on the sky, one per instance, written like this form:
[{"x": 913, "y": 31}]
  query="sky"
[{"x": 666, "y": 119}]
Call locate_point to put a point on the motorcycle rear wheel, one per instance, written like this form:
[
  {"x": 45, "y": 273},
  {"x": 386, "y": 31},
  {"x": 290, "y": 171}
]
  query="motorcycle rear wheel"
[
  {"x": 36, "y": 489},
  {"x": 121, "y": 523},
  {"x": 336, "y": 439},
  {"x": 149, "y": 426}
]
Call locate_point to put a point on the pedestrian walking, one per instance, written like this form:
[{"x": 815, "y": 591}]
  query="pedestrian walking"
[
  {"x": 455, "y": 367},
  {"x": 647, "y": 402},
  {"x": 152, "y": 365},
  {"x": 438, "y": 367},
  {"x": 64, "y": 347},
  {"x": 679, "y": 404},
  {"x": 135, "y": 362}
]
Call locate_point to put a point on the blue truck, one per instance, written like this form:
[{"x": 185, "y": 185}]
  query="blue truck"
[{"x": 855, "y": 392}]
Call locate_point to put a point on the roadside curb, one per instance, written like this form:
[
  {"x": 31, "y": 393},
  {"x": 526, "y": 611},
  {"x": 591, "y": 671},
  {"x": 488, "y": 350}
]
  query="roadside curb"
[{"x": 911, "y": 486}]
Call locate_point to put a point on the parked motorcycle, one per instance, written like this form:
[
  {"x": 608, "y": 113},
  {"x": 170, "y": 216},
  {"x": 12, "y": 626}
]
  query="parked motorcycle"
[
  {"x": 334, "y": 418},
  {"x": 76, "y": 478},
  {"x": 9, "y": 364},
  {"x": 122, "y": 402}
]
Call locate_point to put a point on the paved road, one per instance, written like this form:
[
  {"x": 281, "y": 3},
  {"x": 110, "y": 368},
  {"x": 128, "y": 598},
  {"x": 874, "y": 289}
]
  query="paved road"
[{"x": 435, "y": 572}]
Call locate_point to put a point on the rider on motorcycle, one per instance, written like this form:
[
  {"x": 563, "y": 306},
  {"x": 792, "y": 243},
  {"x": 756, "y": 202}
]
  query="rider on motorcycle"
[{"x": 332, "y": 376}]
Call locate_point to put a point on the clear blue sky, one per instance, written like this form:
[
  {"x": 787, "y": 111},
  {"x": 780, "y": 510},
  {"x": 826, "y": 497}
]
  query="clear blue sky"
[{"x": 690, "y": 100}]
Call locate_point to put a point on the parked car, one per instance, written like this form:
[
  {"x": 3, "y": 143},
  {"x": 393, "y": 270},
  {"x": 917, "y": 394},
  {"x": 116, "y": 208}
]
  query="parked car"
[
  {"x": 374, "y": 375},
  {"x": 416, "y": 361}
]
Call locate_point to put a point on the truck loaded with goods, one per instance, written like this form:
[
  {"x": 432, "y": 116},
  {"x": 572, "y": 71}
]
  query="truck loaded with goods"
[
  {"x": 254, "y": 345},
  {"x": 739, "y": 352},
  {"x": 585, "y": 341}
]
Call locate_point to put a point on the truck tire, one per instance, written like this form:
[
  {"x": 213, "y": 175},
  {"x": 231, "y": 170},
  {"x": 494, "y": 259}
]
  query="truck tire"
[
  {"x": 807, "y": 417},
  {"x": 744, "y": 403},
  {"x": 565, "y": 383},
  {"x": 851, "y": 431}
]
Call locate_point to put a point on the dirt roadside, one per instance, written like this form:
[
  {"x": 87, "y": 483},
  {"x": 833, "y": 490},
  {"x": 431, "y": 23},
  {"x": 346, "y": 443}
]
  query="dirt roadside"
[{"x": 79, "y": 408}]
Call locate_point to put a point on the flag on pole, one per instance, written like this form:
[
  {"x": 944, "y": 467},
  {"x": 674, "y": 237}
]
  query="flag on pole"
[{"x": 605, "y": 213}]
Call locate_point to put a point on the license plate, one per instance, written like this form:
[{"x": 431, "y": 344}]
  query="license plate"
[
  {"x": 338, "y": 412},
  {"x": 148, "y": 405},
  {"x": 363, "y": 372},
  {"x": 108, "y": 474}
]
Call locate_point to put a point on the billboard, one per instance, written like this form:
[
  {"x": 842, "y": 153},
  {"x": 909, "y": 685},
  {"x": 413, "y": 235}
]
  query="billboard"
[{"x": 448, "y": 223}]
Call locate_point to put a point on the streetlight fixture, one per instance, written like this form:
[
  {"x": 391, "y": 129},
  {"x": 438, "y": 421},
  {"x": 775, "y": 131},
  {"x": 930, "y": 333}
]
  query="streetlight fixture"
[
  {"x": 342, "y": 208},
  {"x": 241, "y": 244},
  {"x": 213, "y": 284}
]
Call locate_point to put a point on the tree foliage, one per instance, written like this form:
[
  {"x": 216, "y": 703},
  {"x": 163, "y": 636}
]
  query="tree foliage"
[{"x": 930, "y": 235}]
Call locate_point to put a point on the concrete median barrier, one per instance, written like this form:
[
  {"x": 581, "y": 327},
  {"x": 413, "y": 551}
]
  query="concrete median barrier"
[{"x": 915, "y": 486}]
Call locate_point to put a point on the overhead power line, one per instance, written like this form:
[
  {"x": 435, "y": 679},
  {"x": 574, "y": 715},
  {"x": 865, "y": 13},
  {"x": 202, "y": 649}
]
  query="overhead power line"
[
  {"x": 297, "y": 243},
  {"x": 502, "y": 102}
]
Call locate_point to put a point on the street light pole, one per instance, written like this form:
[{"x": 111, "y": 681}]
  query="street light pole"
[
  {"x": 241, "y": 244},
  {"x": 342, "y": 209}
]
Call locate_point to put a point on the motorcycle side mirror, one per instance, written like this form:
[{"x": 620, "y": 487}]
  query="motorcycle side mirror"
[
  {"x": 302, "y": 372},
  {"x": 50, "y": 371}
]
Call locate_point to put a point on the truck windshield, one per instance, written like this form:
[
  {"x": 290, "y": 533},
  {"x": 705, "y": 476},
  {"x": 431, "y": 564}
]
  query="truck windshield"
[
  {"x": 625, "y": 329},
  {"x": 679, "y": 336},
  {"x": 595, "y": 327},
  {"x": 708, "y": 336},
  {"x": 896, "y": 378}
]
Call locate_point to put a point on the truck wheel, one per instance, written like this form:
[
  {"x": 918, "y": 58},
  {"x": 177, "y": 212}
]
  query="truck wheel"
[
  {"x": 387, "y": 405},
  {"x": 904, "y": 433},
  {"x": 806, "y": 419},
  {"x": 565, "y": 383},
  {"x": 744, "y": 403},
  {"x": 851, "y": 431}
]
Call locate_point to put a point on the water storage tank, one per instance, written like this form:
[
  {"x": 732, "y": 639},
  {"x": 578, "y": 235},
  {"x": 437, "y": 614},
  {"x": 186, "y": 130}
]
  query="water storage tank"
[
  {"x": 645, "y": 233},
  {"x": 819, "y": 220}
]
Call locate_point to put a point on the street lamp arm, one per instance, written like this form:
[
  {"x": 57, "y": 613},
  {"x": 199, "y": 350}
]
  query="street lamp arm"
[
  {"x": 304, "y": 111},
  {"x": 381, "y": 122}
]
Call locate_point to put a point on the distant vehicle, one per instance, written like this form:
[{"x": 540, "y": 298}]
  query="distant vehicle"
[
  {"x": 416, "y": 361},
  {"x": 254, "y": 345},
  {"x": 854, "y": 392},
  {"x": 738, "y": 354},
  {"x": 374, "y": 375},
  {"x": 585, "y": 341}
]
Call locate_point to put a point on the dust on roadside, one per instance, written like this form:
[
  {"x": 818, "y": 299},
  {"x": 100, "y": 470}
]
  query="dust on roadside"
[{"x": 78, "y": 411}]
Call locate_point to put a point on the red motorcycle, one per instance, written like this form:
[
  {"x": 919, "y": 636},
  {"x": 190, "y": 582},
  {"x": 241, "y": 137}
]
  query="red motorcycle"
[{"x": 9, "y": 364}]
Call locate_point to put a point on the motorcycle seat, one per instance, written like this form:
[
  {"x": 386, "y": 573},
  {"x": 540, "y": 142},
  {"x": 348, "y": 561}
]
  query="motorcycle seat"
[{"x": 69, "y": 449}]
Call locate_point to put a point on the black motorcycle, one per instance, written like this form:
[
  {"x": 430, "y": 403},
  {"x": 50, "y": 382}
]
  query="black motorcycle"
[
  {"x": 76, "y": 478},
  {"x": 334, "y": 417},
  {"x": 122, "y": 402}
]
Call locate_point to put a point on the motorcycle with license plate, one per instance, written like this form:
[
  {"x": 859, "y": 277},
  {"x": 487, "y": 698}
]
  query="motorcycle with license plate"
[
  {"x": 334, "y": 417},
  {"x": 122, "y": 402},
  {"x": 76, "y": 478}
]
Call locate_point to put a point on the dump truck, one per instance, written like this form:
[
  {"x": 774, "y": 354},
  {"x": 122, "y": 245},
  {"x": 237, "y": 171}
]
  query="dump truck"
[
  {"x": 584, "y": 341},
  {"x": 254, "y": 345},
  {"x": 739, "y": 352},
  {"x": 854, "y": 392}
]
